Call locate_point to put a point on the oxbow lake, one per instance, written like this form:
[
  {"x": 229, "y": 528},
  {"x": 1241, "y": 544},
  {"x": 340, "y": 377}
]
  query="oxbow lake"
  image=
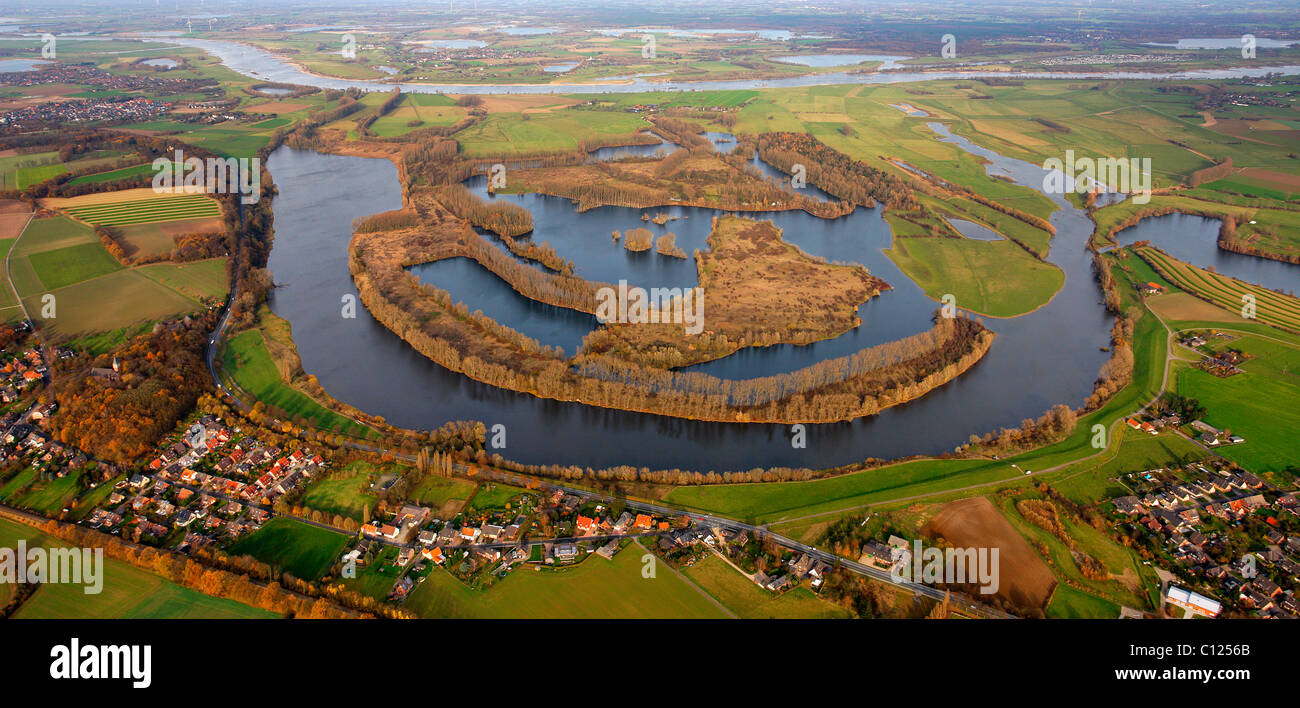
[{"x": 1043, "y": 358}]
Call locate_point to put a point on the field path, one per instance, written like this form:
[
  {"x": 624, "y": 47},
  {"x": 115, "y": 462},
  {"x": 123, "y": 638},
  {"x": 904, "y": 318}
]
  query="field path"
[{"x": 13, "y": 287}]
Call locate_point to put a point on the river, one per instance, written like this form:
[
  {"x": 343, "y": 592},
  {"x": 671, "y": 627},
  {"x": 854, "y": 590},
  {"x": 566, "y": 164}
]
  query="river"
[{"x": 258, "y": 63}]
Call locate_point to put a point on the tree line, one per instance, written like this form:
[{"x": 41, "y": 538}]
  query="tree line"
[
  {"x": 834, "y": 172},
  {"x": 486, "y": 351}
]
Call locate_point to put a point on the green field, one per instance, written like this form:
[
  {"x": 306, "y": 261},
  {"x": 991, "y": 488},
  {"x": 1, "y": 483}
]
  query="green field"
[
  {"x": 495, "y": 497},
  {"x": 8, "y": 303},
  {"x": 1248, "y": 187},
  {"x": 1258, "y": 404},
  {"x": 65, "y": 266},
  {"x": 293, "y": 547},
  {"x": 377, "y": 577},
  {"x": 436, "y": 491},
  {"x": 416, "y": 108},
  {"x": 50, "y": 496},
  {"x": 1068, "y": 603},
  {"x": 23, "y": 171},
  {"x": 594, "y": 589},
  {"x": 749, "y": 601},
  {"x": 11, "y": 487},
  {"x": 92, "y": 292},
  {"x": 128, "y": 592},
  {"x": 29, "y": 176},
  {"x": 196, "y": 280},
  {"x": 770, "y": 502},
  {"x": 146, "y": 211},
  {"x": 53, "y": 233},
  {"x": 344, "y": 494},
  {"x": 246, "y": 359},
  {"x": 557, "y": 131},
  {"x": 996, "y": 278},
  {"x": 123, "y": 299},
  {"x": 111, "y": 175}
]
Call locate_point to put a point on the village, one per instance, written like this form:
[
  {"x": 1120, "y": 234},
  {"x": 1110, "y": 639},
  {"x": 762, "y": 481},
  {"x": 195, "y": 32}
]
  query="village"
[
  {"x": 91, "y": 109},
  {"x": 552, "y": 530},
  {"x": 1224, "y": 531},
  {"x": 23, "y": 371},
  {"x": 209, "y": 486},
  {"x": 90, "y": 75}
]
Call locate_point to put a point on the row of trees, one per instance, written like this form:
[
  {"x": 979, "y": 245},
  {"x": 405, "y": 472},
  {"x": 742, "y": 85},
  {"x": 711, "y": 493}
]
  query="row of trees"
[
  {"x": 887, "y": 365},
  {"x": 162, "y": 375},
  {"x": 500, "y": 217},
  {"x": 1054, "y": 425},
  {"x": 394, "y": 98},
  {"x": 385, "y": 221},
  {"x": 834, "y": 172},
  {"x": 680, "y": 178},
  {"x": 838, "y": 389},
  {"x": 1117, "y": 371},
  {"x": 1230, "y": 240}
]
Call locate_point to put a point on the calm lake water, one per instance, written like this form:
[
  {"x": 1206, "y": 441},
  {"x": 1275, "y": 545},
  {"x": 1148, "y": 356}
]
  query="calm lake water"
[{"x": 8, "y": 65}]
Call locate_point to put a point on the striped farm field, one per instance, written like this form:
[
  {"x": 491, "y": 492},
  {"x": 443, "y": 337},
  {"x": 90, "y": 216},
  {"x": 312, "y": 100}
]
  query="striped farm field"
[
  {"x": 1273, "y": 308},
  {"x": 147, "y": 211}
]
